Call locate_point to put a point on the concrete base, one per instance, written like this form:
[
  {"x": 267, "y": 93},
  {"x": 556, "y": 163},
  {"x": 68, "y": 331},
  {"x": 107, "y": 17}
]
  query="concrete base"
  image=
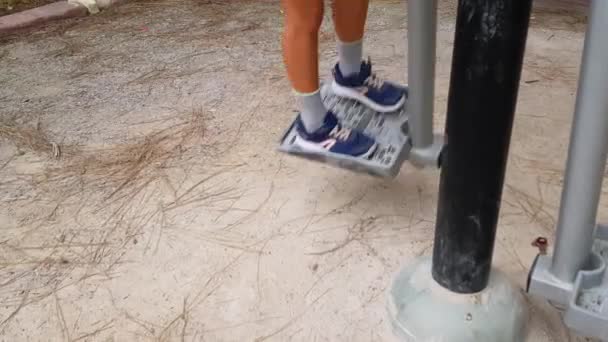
[{"x": 421, "y": 310}]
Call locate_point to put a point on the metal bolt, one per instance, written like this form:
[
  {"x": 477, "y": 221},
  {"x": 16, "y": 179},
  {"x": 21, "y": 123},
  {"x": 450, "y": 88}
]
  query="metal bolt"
[{"x": 541, "y": 243}]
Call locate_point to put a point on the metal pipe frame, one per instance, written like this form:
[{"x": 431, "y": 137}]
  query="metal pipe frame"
[
  {"x": 422, "y": 33},
  {"x": 587, "y": 153},
  {"x": 487, "y": 62}
]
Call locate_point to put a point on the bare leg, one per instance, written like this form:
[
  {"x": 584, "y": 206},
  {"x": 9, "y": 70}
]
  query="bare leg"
[{"x": 301, "y": 55}]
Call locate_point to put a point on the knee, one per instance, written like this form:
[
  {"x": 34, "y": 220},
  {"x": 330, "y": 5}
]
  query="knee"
[{"x": 305, "y": 22}]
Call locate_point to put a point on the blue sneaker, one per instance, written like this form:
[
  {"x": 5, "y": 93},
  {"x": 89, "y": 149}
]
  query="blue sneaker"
[
  {"x": 334, "y": 138},
  {"x": 367, "y": 88}
]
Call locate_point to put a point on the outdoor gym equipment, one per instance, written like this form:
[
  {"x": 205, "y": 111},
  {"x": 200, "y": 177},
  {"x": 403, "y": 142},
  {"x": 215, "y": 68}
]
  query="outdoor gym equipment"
[
  {"x": 456, "y": 296},
  {"x": 406, "y": 134},
  {"x": 575, "y": 278}
]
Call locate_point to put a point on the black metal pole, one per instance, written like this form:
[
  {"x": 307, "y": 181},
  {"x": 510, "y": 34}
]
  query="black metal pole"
[{"x": 486, "y": 68}]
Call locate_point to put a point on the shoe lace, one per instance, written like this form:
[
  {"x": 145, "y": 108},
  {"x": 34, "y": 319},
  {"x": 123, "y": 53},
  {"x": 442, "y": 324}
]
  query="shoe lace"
[
  {"x": 340, "y": 133},
  {"x": 374, "y": 81}
]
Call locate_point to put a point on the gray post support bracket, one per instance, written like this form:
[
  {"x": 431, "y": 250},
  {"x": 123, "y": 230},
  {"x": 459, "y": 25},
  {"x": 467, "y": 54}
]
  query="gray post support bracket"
[
  {"x": 584, "y": 301},
  {"x": 574, "y": 278}
]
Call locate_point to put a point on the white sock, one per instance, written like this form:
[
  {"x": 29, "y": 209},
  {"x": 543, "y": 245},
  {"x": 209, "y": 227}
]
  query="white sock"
[
  {"x": 312, "y": 110},
  {"x": 349, "y": 57}
]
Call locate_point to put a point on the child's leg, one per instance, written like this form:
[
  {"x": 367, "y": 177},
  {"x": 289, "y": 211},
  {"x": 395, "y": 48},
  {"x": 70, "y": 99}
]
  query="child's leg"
[
  {"x": 300, "y": 52},
  {"x": 349, "y": 21},
  {"x": 318, "y": 129},
  {"x": 353, "y": 78}
]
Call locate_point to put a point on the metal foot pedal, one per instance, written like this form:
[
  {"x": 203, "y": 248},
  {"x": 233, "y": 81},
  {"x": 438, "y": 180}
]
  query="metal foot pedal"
[{"x": 390, "y": 130}]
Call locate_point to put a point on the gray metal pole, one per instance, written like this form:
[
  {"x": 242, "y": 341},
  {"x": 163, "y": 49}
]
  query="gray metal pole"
[
  {"x": 587, "y": 153},
  {"x": 422, "y": 31}
]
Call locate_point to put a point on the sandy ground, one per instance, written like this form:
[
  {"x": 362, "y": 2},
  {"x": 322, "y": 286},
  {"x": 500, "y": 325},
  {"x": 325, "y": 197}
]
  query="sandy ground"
[{"x": 169, "y": 216}]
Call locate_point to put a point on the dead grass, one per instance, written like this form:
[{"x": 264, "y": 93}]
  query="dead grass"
[
  {"x": 535, "y": 209},
  {"x": 122, "y": 169},
  {"x": 29, "y": 138},
  {"x": 89, "y": 205},
  {"x": 82, "y": 211}
]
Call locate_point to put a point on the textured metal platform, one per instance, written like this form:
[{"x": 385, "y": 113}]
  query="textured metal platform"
[{"x": 389, "y": 129}]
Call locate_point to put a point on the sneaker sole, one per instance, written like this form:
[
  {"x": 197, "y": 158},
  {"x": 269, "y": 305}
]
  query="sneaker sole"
[
  {"x": 311, "y": 147},
  {"x": 357, "y": 96}
]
